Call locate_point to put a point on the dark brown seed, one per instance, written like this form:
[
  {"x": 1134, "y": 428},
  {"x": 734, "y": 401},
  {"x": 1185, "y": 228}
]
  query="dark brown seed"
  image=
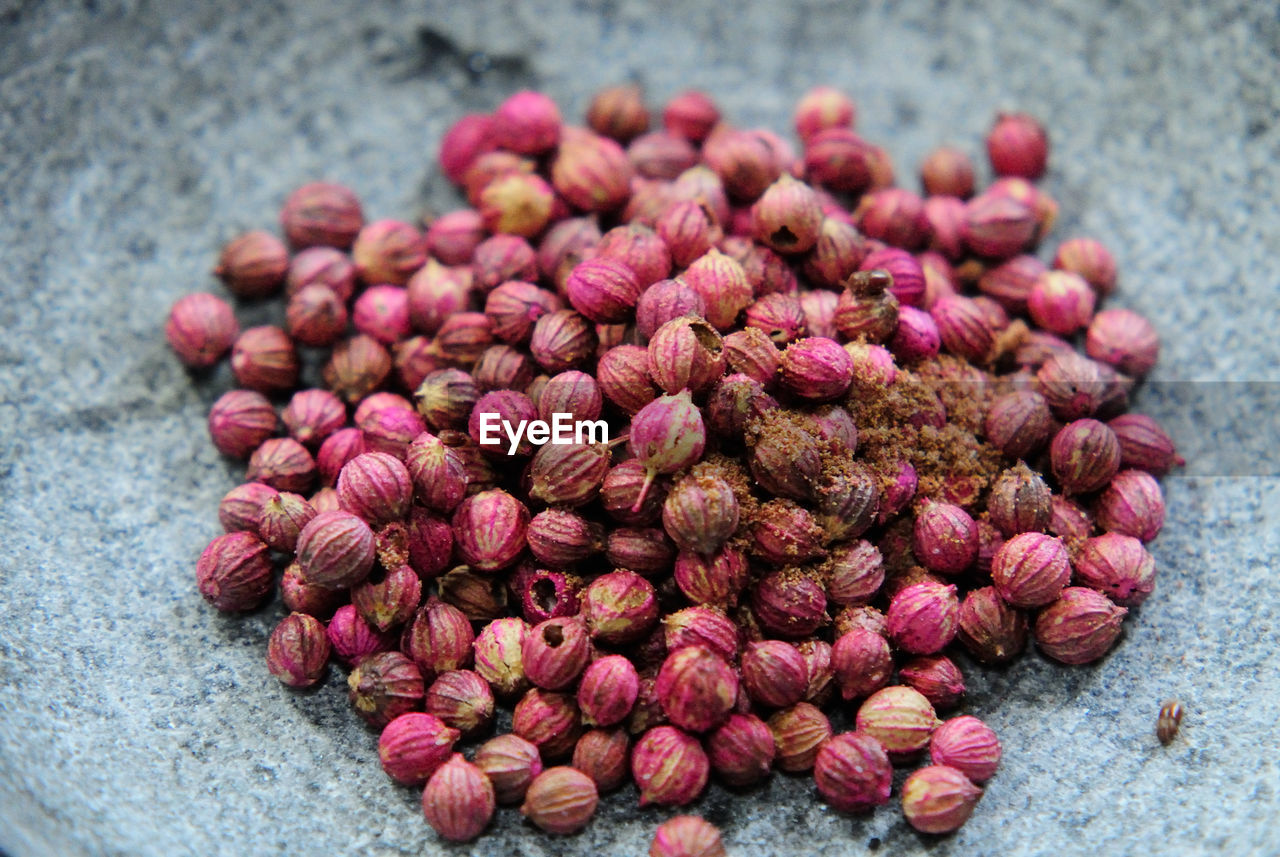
[{"x": 1169, "y": 720}]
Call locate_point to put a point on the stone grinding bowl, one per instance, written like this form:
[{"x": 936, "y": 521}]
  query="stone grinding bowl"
[{"x": 136, "y": 138}]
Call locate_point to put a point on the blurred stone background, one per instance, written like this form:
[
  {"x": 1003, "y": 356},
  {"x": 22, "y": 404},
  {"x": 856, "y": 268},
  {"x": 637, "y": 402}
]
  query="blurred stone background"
[{"x": 136, "y": 137}]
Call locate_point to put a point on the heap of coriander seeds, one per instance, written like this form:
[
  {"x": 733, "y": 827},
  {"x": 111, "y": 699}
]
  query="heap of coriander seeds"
[{"x": 828, "y": 432}]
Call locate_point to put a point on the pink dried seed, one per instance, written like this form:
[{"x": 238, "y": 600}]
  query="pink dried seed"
[
  {"x": 562, "y": 340},
  {"x": 240, "y": 509},
  {"x": 963, "y": 328},
  {"x": 375, "y": 486},
  {"x": 894, "y": 216},
  {"x": 264, "y": 359},
  {"x": 618, "y": 112},
  {"x": 435, "y": 292},
  {"x": 446, "y": 398},
  {"x": 458, "y": 800},
  {"x": 383, "y": 313},
  {"x": 853, "y": 772},
  {"x": 389, "y": 601},
  {"x": 462, "y": 700},
  {"x": 945, "y": 538},
  {"x": 799, "y": 733},
  {"x": 1019, "y": 423},
  {"x": 935, "y": 676},
  {"x": 750, "y": 352},
  {"x": 357, "y": 367},
  {"x": 938, "y": 799},
  {"x": 439, "y": 638},
  {"x": 774, "y": 674},
  {"x": 603, "y": 290},
  {"x": 821, "y": 108},
  {"x": 413, "y": 746},
  {"x": 836, "y": 255},
  {"x": 494, "y": 409},
  {"x": 1030, "y": 570},
  {"x": 744, "y": 160},
  {"x": 839, "y": 160},
  {"x": 917, "y": 337},
  {"x": 240, "y": 421},
  {"x": 562, "y": 538},
  {"x": 316, "y": 316},
  {"x": 900, "y": 718},
  {"x": 464, "y": 337},
  {"x": 819, "y": 307},
  {"x": 1118, "y": 566},
  {"x": 1132, "y": 505},
  {"x": 1080, "y": 627},
  {"x": 511, "y": 763},
  {"x": 686, "y": 836},
  {"x": 854, "y": 572},
  {"x": 555, "y": 653},
  {"x": 785, "y": 533},
  {"x": 383, "y": 686},
  {"x": 861, "y": 663},
  {"x": 608, "y": 691},
  {"x": 669, "y": 767},
  {"x": 1018, "y": 145},
  {"x": 321, "y": 214},
  {"x": 787, "y": 217},
  {"x": 234, "y": 572},
  {"x": 1088, "y": 258},
  {"x": 568, "y": 474},
  {"x": 947, "y": 171},
  {"x": 906, "y": 282},
  {"x": 706, "y": 627},
  {"x": 388, "y": 251},
  {"x": 790, "y": 603},
  {"x": 697, "y": 688},
  {"x": 253, "y": 265},
  {"x": 1061, "y": 302},
  {"x": 517, "y": 203},
  {"x": 722, "y": 284},
  {"x": 1085, "y": 455},
  {"x": 561, "y": 800},
  {"x": 645, "y": 550},
  {"x": 663, "y": 301},
  {"x": 545, "y": 594},
  {"x": 281, "y": 518},
  {"x": 353, "y": 639},
  {"x": 968, "y": 745},
  {"x": 430, "y": 542},
  {"x": 527, "y": 123},
  {"x": 816, "y": 369},
  {"x": 923, "y": 618},
  {"x": 313, "y": 415},
  {"x": 700, "y": 514},
  {"x": 453, "y": 237},
  {"x": 604, "y": 756},
  {"x": 498, "y": 654},
  {"x": 686, "y": 353},
  {"x": 991, "y": 630},
  {"x": 873, "y": 318},
  {"x": 998, "y": 226},
  {"x": 548, "y": 720},
  {"x": 716, "y": 579},
  {"x": 489, "y": 529},
  {"x": 691, "y": 115}
]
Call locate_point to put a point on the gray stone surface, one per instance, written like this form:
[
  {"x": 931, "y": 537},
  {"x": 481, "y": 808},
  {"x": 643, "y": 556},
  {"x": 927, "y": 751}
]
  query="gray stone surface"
[{"x": 136, "y": 137}]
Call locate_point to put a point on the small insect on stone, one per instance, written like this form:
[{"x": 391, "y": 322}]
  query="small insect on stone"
[{"x": 1169, "y": 720}]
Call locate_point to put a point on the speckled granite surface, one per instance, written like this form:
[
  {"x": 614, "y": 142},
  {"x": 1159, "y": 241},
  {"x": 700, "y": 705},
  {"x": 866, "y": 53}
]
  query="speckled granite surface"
[{"x": 135, "y": 137}]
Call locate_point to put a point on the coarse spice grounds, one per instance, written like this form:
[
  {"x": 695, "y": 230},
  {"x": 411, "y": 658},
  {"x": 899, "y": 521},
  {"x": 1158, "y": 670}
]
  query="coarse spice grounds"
[{"x": 853, "y": 431}]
